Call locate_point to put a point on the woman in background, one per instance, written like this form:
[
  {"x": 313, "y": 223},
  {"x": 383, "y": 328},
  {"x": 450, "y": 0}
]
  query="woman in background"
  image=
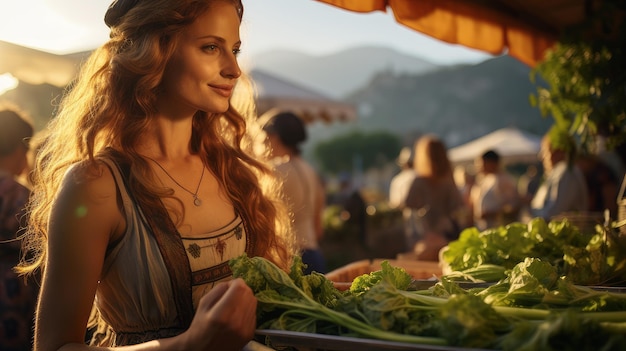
[
  {"x": 434, "y": 198},
  {"x": 146, "y": 187}
]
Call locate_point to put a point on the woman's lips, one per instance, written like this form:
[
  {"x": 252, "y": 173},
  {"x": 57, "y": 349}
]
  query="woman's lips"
[{"x": 224, "y": 90}]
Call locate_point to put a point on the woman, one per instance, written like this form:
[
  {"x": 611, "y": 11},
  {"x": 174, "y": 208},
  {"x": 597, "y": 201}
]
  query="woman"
[
  {"x": 301, "y": 186},
  {"x": 145, "y": 188},
  {"x": 434, "y": 198}
]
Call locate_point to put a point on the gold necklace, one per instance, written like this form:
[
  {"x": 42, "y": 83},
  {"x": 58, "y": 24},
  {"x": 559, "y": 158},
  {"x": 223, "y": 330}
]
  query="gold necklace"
[{"x": 196, "y": 200}]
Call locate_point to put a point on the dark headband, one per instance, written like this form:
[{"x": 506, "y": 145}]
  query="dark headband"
[{"x": 117, "y": 10}]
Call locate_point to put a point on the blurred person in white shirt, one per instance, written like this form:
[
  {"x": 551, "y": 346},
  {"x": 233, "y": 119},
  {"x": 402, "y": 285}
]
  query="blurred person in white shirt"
[
  {"x": 495, "y": 199},
  {"x": 564, "y": 189}
]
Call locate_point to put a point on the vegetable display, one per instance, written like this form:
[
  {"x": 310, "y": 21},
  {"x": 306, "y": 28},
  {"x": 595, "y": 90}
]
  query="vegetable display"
[
  {"x": 307, "y": 303},
  {"x": 533, "y": 307},
  {"x": 587, "y": 258}
]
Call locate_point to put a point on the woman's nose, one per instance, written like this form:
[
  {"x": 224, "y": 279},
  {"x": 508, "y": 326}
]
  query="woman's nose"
[{"x": 231, "y": 67}]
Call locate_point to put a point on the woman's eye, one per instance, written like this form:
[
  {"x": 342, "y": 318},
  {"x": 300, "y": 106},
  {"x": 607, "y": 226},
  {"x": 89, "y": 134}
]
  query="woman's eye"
[
  {"x": 210, "y": 47},
  {"x": 236, "y": 52}
]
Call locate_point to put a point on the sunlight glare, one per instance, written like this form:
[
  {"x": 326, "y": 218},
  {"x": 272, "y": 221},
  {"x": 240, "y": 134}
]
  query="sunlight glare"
[
  {"x": 7, "y": 82},
  {"x": 33, "y": 23}
]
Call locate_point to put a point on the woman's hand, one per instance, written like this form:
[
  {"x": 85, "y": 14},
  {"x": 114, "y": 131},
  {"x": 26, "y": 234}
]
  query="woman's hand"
[{"x": 225, "y": 319}]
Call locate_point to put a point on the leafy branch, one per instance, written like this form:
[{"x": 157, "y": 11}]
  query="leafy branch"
[{"x": 586, "y": 80}]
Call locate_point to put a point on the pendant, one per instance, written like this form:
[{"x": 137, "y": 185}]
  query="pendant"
[{"x": 196, "y": 200}]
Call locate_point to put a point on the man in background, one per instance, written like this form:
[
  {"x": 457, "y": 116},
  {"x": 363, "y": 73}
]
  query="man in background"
[
  {"x": 495, "y": 199},
  {"x": 564, "y": 189}
]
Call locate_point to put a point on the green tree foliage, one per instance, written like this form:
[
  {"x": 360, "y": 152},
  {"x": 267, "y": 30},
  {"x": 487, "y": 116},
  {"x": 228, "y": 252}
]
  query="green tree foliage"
[
  {"x": 357, "y": 149},
  {"x": 586, "y": 77}
]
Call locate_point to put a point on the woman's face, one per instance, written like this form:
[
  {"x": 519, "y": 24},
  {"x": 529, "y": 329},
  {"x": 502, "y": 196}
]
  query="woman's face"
[{"x": 202, "y": 72}]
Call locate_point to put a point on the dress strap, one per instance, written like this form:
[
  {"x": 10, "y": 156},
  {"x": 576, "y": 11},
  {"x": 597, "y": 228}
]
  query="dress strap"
[{"x": 158, "y": 222}]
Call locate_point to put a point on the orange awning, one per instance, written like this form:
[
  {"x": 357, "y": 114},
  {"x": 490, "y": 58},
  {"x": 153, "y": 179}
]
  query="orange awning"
[{"x": 524, "y": 29}]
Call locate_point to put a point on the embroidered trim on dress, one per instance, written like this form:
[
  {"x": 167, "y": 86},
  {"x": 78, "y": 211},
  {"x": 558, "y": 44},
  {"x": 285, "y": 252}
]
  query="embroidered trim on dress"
[
  {"x": 195, "y": 250},
  {"x": 211, "y": 275}
]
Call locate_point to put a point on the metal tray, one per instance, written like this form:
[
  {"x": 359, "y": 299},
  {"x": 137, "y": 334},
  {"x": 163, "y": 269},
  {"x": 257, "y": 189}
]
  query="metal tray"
[{"x": 309, "y": 341}]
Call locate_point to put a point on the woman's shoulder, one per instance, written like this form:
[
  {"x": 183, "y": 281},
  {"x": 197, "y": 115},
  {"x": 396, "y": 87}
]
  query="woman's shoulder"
[
  {"x": 90, "y": 178},
  {"x": 87, "y": 208},
  {"x": 88, "y": 200}
]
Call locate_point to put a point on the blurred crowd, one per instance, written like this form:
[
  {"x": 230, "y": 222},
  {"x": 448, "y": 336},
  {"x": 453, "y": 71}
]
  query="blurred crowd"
[{"x": 438, "y": 202}]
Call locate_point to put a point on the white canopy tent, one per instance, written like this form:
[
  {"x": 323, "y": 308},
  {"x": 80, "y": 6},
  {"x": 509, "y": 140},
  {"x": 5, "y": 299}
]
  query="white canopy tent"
[
  {"x": 513, "y": 146},
  {"x": 274, "y": 93}
]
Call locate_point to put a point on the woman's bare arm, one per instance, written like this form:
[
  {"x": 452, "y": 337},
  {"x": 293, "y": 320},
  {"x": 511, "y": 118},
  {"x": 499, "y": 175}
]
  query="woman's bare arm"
[{"x": 84, "y": 217}]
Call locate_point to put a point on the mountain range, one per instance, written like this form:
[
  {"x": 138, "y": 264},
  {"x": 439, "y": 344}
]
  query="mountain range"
[
  {"x": 409, "y": 96},
  {"x": 339, "y": 74},
  {"x": 457, "y": 103}
]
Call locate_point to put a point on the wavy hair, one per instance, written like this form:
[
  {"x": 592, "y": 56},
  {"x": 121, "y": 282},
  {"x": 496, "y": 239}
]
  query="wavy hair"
[{"x": 111, "y": 104}]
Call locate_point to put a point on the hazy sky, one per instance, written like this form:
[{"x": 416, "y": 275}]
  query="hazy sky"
[{"x": 65, "y": 26}]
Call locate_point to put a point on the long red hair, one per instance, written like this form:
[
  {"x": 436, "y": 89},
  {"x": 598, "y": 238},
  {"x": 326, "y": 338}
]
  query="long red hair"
[{"x": 112, "y": 103}]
